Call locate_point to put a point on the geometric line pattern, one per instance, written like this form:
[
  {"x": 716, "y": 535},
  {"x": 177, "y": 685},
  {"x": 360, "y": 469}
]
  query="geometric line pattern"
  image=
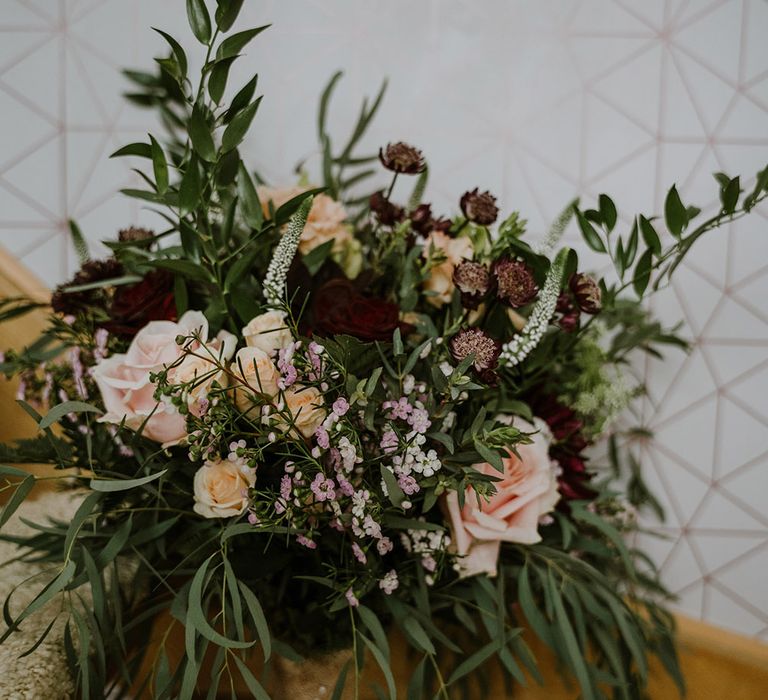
[{"x": 534, "y": 101}]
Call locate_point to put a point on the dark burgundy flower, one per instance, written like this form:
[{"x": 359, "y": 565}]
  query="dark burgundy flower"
[
  {"x": 92, "y": 271},
  {"x": 338, "y": 308},
  {"x": 515, "y": 283},
  {"x": 135, "y": 234},
  {"x": 569, "y": 313},
  {"x": 568, "y": 442},
  {"x": 135, "y": 305},
  {"x": 586, "y": 292},
  {"x": 486, "y": 351},
  {"x": 386, "y": 212},
  {"x": 421, "y": 219},
  {"x": 473, "y": 280},
  {"x": 479, "y": 207},
  {"x": 401, "y": 158}
]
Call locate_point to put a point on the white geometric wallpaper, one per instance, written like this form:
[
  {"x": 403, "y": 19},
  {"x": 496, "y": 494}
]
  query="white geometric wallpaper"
[{"x": 535, "y": 100}]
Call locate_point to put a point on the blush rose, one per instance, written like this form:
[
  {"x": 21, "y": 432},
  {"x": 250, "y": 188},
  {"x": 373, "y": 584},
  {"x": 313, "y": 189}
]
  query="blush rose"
[{"x": 527, "y": 490}]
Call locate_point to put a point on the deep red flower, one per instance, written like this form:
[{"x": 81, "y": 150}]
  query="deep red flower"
[
  {"x": 135, "y": 305},
  {"x": 567, "y": 446},
  {"x": 339, "y": 308}
]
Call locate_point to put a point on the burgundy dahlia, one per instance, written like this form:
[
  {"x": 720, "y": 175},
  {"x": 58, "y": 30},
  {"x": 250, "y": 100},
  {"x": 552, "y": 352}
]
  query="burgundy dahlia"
[
  {"x": 486, "y": 351},
  {"x": 479, "y": 207},
  {"x": 515, "y": 284},
  {"x": 386, "y": 212},
  {"x": 338, "y": 308},
  {"x": 473, "y": 280},
  {"x": 135, "y": 305},
  {"x": 586, "y": 292},
  {"x": 401, "y": 158}
]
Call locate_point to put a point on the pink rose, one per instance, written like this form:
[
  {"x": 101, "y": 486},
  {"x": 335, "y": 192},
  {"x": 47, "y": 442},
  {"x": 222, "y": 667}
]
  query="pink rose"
[
  {"x": 123, "y": 379},
  {"x": 527, "y": 490}
]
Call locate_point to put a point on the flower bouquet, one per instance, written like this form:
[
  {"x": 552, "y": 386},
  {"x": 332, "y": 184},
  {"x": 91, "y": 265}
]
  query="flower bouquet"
[{"x": 305, "y": 422}]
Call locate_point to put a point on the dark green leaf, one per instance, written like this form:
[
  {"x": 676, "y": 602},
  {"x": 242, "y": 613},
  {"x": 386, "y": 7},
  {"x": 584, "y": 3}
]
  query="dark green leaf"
[
  {"x": 590, "y": 235},
  {"x": 183, "y": 267},
  {"x": 642, "y": 273},
  {"x": 199, "y": 20},
  {"x": 226, "y": 13},
  {"x": 178, "y": 52},
  {"x": 259, "y": 620},
  {"x": 190, "y": 188},
  {"x": 316, "y": 257},
  {"x": 475, "y": 660},
  {"x": 217, "y": 81},
  {"x": 607, "y": 211},
  {"x": 238, "y": 127},
  {"x": 322, "y": 113},
  {"x": 729, "y": 195},
  {"x": 250, "y": 206},
  {"x": 675, "y": 213},
  {"x": 141, "y": 150},
  {"x": 159, "y": 165},
  {"x": 241, "y": 99},
  {"x": 631, "y": 249},
  {"x": 575, "y": 655},
  {"x": 395, "y": 493},
  {"x": 232, "y": 46},
  {"x": 383, "y": 665},
  {"x": 200, "y": 135},
  {"x": 650, "y": 236}
]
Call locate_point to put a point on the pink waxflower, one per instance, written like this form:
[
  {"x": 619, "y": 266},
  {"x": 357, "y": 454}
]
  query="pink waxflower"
[
  {"x": 351, "y": 598},
  {"x": 306, "y": 542},
  {"x": 323, "y": 488},
  {"x": 389, "y": 441},
  {"x": 340, "y": 406},
  {"x": 359, "y": 553},
  {"x": 321, "y": 435}
]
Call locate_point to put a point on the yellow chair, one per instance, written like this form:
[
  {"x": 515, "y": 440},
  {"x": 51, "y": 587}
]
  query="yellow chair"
[{"x": 717, "y": 665}]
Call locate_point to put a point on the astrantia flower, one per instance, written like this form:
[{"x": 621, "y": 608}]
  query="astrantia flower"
[
  {"x": 569, "y": 314},
  {"x": 421, "y": 219},
  {"x": 92, "y": 271},
  {"x": 587, "y": 293},
  {"x": 134, "y": 234},
  {"x": 401, "y": 158},
  {"x": 473, "y": 280},
  {"x": 515, "y": 283},
  {"x": 479, "y": 207},
  {"x": 386, "y": 212},
  {"x": 473, "y": 341}
]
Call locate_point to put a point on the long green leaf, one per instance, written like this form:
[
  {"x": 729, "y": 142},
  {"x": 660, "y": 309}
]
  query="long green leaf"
[{"x": 199, "y": 20}]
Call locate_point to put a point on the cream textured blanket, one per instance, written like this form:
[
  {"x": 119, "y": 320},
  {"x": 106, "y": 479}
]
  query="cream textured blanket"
[{"x": 43, "y": 675}]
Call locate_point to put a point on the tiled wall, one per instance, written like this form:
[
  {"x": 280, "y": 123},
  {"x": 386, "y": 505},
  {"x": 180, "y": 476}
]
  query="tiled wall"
[{"x": 536, "y": 100}]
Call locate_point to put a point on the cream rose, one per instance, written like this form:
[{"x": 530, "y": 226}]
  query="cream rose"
[
  {"x": 440, "y": 280},
  {"x": 527, "y": 490},
  {"x": 221, "y": 489},
  {"x": 305, "y": 406},
  {"x": 268, "y": 332},
  {"x": 123, "y": 379},
  {"x": 257, "y": 374}
]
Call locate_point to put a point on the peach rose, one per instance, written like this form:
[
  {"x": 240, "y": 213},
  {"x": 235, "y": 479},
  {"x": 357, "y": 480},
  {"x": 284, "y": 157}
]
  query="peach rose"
[
  {"x": 257, "y": 374},
  {"x": 440, "y": 280},
  {"x": 527, "y": 490},
  {"x": 123, "y": 379},
  {"x": 221, "y": 489},
  {"x": 325, "y": 221},
  {"x": 268, "y": 332},
  {"x": 305, "y": 406}
]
